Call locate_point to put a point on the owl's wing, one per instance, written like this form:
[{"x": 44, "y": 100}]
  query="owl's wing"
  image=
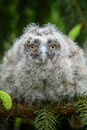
[{"x": 77, "y": 56}]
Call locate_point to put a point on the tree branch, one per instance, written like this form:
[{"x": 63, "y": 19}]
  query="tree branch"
[{"x": 76, "y": 108}]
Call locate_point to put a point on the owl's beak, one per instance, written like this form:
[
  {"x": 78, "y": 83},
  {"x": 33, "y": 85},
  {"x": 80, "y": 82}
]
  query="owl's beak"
[
  {"x": 44, "y": 61},
  {"x": 43, "y": 58},
  {"x": 43, "y": 54}
]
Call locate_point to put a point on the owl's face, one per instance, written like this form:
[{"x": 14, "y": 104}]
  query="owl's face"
[{"x": 42, "y": 49}]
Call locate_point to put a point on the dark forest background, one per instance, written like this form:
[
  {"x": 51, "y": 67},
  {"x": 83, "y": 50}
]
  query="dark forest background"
[
  {"x": 16, "y": 14},
  {"x": 65, "y": 14}
]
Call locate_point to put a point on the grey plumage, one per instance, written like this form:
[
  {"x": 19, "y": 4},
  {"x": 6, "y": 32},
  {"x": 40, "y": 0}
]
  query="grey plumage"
[{"x": 43, "y": 65}]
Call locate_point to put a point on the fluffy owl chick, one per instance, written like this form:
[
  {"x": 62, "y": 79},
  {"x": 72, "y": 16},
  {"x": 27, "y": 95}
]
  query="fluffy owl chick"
[{"x": 43, "y": 65}]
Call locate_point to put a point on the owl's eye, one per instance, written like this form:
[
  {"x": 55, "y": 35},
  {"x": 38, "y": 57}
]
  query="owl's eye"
[
  {"x": 53, "y": 46},
  {"x": 32, "y": 47}
]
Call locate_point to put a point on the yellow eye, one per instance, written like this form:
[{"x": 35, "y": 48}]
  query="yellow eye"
[
  {"x": 32, "y": 47},
  {"x": 52, "y": 46}
]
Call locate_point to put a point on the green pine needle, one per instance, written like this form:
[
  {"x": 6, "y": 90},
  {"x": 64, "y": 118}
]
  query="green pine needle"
[
  {"x": 81, "y": 107},
  {"x": 45, "y": 119}
]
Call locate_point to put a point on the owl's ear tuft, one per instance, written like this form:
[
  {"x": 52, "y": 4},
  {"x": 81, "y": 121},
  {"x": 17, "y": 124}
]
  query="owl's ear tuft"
[
  {"x": 31, "y": 27},
  {"x": 50, "y": 27}
]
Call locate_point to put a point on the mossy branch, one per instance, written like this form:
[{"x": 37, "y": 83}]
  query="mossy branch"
[{"x": 75, "y": 111}]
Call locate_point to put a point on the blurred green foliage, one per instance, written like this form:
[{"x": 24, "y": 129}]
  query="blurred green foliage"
[
  {"x": 65, "y": 14},
  {"x": 75, "y": 31}
]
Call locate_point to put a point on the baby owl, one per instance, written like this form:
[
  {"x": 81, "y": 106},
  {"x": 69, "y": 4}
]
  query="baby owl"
[{"x": 43, "y": 65}]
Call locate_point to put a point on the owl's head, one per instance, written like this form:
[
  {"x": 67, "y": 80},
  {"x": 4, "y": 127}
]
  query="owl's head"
[
  {"x": 42, "y": 44},
  {"x": 42, "y": 49}
]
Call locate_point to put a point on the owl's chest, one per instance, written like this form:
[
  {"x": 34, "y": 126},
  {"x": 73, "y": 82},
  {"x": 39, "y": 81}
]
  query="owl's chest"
[{"x": 44, "y": 77}]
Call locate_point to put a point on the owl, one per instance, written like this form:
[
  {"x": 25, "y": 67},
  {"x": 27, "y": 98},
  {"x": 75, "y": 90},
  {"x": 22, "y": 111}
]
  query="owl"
[{"x": 43, "y": 65}]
